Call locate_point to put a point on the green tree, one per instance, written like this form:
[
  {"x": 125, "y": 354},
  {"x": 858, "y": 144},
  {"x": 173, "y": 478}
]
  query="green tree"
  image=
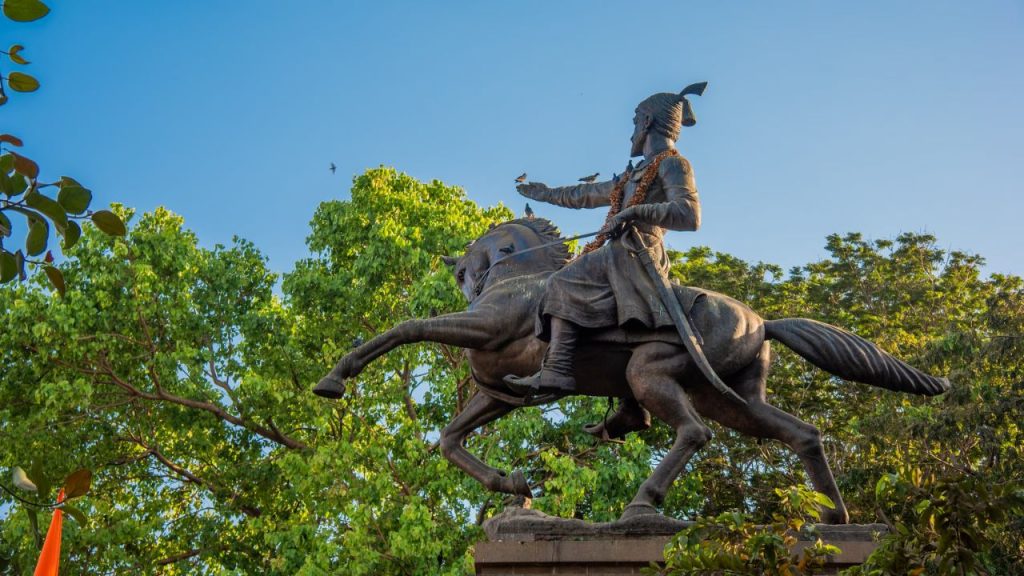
[
  {"x": 183, "y": 379},
  {"x": 177, "y": 374}
]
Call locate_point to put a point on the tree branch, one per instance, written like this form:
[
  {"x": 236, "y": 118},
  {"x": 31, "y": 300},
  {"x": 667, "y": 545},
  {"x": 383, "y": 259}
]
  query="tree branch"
[
  {"x": 184, "y": 555},
  {"x": 233, "y": 497},
  {"x": 162, "y": 395}
]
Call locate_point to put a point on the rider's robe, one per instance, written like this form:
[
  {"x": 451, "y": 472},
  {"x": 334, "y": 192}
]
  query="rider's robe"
[{"x": 610, "y": 286}]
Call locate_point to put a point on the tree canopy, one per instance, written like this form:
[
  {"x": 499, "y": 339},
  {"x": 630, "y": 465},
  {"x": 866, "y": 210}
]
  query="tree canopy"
[{"x": 181, "y": 376}]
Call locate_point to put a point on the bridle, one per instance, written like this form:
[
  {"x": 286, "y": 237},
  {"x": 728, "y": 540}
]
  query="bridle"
[{"x": 478, "y": 286}]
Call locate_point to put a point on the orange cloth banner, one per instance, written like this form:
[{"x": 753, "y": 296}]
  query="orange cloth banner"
[{"x": 49, "y": 560}]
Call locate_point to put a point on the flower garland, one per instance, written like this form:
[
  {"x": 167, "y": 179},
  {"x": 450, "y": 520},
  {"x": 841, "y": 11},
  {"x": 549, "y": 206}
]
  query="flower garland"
[{"x": 639, "y": 195}]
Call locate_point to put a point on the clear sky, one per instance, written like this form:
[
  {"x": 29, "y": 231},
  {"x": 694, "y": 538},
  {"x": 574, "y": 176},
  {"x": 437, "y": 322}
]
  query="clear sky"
[{"x": 873, "y": 116}]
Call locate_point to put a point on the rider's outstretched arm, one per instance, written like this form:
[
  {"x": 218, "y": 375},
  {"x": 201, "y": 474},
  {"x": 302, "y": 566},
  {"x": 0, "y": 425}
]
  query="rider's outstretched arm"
[
  {"x": 579, "y": 196},
  {"x": 681, "y": 211}
]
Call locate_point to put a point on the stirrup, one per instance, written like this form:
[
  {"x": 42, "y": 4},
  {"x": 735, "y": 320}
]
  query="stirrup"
[{"x": 534, "y": 384}]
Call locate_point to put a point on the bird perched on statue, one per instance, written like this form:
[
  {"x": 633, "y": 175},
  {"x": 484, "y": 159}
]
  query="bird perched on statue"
[
  {"x": 528, "y": 211},
  {"x": 591, "y": 178},
  {"x": 333, "y": 167},
  {"x": 521, "y": 178}
]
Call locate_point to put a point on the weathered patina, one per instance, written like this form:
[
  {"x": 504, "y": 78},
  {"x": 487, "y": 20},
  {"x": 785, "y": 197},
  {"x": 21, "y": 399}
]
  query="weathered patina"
[
  {"x": 608, "y": 285},
  {"x": 647, "y": 369},
  {"x": 607, "y": 316}
]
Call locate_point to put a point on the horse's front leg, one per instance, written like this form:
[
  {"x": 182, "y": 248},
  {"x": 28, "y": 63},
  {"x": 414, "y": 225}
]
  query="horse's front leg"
[{"x": 462, "y": 329}]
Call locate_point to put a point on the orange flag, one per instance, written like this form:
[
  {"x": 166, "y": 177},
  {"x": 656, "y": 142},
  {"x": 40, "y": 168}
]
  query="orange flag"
[{"x": 49, "y": 560}]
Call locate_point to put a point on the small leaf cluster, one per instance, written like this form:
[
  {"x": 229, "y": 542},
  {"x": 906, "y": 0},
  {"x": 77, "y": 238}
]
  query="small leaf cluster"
[
  {"x": 24, "y": 194},
  {"x": 731, "y": 543},
  {"x": 76, "y": 485},
  {"x": 942, "y": 523},
  {"x": 20, "y": 11}
]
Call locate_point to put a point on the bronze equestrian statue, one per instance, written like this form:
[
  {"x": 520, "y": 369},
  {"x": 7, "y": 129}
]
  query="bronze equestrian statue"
[
  {"x": 625, "y": 343},
  {"x": 607, "y": 285}
]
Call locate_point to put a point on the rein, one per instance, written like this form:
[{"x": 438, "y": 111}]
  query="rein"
[{"x": 478, "y": 287}]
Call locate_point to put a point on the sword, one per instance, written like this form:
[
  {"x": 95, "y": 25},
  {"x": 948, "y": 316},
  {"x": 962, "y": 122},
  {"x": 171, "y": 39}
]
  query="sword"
[{"x": 675, "y": 310}]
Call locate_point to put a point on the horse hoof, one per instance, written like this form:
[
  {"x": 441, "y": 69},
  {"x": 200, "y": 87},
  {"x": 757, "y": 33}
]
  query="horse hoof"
[
  {"x": 330, "y": 387},
  {"x": 519, "y": 484},
  {"x": 634, "y": 510},
  {"x": 835, "y": 517},
  {"x": 621, "y": 423}
]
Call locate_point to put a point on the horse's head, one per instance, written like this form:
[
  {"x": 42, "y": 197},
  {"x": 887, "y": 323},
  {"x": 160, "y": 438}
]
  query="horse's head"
[{"x": 494, "y": 256}]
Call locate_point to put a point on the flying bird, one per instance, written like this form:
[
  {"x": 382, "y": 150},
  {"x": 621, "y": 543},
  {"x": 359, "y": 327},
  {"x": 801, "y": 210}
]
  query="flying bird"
[
  {"x": 521, "y": 178},
  {"x": 333, "y": 167},
  {"x": 591, "y": 178},
  {"x": 528, "y": 211}
]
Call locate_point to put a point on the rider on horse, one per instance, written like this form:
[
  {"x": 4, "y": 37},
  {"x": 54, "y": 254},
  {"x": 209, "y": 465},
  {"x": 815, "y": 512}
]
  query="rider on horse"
[{"x": 607, "y": 285}]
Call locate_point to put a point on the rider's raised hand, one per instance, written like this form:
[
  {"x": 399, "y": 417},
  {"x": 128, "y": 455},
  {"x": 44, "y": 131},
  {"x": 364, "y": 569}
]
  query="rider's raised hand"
[{"x": 533, "y": 190}]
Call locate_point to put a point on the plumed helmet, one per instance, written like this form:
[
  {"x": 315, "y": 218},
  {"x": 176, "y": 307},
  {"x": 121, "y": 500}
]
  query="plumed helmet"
[{"x": 672, "y": 111}]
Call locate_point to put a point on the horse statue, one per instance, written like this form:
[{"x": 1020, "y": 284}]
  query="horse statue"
[{"x": 502, "y": 275}]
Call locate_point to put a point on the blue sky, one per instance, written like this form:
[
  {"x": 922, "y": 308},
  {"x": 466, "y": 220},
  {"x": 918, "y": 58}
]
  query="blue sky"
[{"x": 820, "y": 117}]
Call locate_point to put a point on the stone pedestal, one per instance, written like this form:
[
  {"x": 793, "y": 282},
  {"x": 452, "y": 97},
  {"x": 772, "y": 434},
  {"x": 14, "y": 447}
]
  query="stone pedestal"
[{"x": 522, "y": 541}]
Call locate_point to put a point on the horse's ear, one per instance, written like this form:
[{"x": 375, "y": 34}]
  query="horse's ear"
[
  {"x": 491, "y": 226},
  {"x": 449, "y": 260},
  {"x": 508, "y": 249}
]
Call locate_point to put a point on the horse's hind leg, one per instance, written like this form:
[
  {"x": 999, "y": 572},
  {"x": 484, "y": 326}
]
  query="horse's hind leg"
[
  {"x": 480, "y": 410},
  {"x": 762, "y": 420},
  {"x": 653, "y": 375}
]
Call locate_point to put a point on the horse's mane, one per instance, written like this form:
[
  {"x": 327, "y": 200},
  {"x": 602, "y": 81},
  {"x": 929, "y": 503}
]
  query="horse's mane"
[{"x": 548, "y": 232}]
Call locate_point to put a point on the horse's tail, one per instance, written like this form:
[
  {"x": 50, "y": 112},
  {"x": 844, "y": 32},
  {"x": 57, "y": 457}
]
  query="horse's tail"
[{"x": 851, "y": 357}]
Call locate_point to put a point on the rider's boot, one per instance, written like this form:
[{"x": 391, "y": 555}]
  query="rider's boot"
[{"x": 556, "y": 373}]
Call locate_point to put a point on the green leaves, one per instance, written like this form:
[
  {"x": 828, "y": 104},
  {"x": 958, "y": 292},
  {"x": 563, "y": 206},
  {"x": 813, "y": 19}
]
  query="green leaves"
[
  {"x": 21, "y": 82},
  {"x": 371, "y": 494},
  {"x": 732, "y": 543},
  {"x": 56, "y": 278},
  {"x": 71, "y": 235},
  {"x": 109, "y": 223},
  {"x": 49, "y": 207},
  {"x": 38, "y": 234},
  {"x": 13, "y": 184},
  {"x": 18, "y": 175},
  {"x": 24, "y": 10},
  {"x": 14, "y": 54},
  {"x": 73, "y": 196},
  {"x": 948, "y": 521},
  {"x": 75, "y": 513}
]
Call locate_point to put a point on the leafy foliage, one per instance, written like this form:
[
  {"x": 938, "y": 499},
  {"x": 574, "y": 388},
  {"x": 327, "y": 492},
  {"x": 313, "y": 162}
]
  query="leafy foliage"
[
  {"x": 731, "y": 543},
  {"x": 181, "y": 377},
  {"x": 949, "y": 523},
  {"x": 23, "y": 192}
]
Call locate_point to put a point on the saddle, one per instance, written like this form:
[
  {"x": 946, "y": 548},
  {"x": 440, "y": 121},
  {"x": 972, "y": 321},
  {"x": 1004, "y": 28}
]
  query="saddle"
[{"x": 688, "y": 297}]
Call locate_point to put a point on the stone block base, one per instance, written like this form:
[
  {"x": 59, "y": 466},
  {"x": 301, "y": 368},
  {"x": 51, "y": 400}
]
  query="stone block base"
[{"x": 528, "y": 542}]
